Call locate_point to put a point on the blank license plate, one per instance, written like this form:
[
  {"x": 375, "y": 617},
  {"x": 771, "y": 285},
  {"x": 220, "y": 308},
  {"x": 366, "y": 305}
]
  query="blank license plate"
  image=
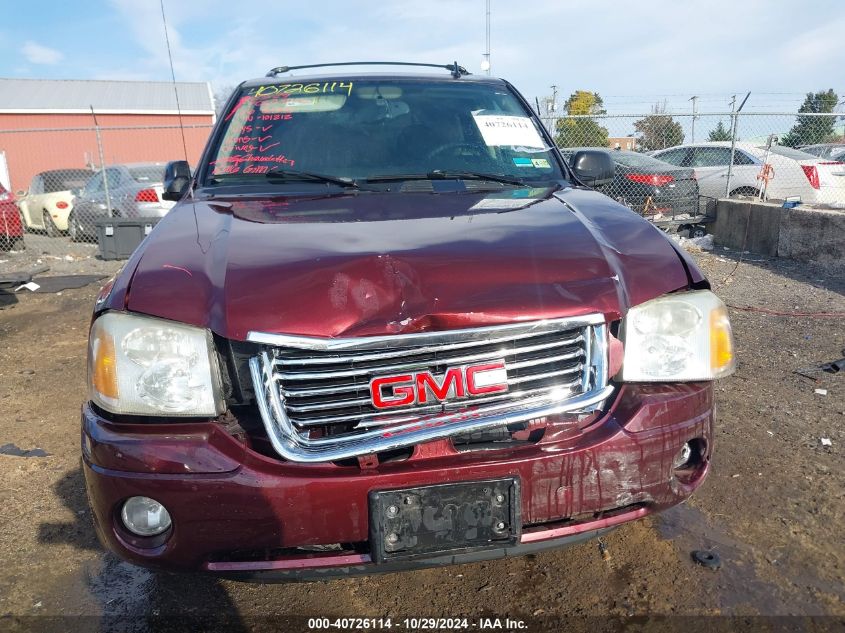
[{"x": 444, "y": 519}]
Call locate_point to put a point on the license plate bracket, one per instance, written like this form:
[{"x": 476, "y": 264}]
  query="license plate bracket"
[{"x": 441, "y": 519}]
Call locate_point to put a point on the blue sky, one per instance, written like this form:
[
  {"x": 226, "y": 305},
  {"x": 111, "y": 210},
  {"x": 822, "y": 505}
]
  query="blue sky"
[{"x": 632, "y": 53}]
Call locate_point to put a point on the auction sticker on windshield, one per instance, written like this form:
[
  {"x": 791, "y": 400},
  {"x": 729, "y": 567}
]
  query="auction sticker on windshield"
[{"x": 498, "y": 129}]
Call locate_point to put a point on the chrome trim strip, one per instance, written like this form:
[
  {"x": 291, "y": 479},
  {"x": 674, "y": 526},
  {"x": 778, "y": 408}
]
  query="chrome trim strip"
[
  {"x": 433, "y": 349},
  {"x": 420, "y": 338},
  {"x": 377, "y": 431},
  {"x": 416, "y": 411},
  {"x": 354, "y": 388},
  {"x": 423, "y": 364},
  {"x": 291, "y": 445}
]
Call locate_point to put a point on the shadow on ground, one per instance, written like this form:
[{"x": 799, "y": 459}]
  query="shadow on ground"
[{"x": 133, "y": 598}]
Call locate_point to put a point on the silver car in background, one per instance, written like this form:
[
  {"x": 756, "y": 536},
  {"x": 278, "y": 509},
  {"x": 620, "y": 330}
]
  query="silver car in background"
[
  {"x": 132, "y": 190},
  {"x": 833, "y": 151}
]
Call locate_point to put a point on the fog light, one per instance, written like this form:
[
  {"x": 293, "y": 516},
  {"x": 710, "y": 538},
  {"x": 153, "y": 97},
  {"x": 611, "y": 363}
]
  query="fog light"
[
  {"x": 683, "y": 457},
  {"x": 144, "y": 516}
]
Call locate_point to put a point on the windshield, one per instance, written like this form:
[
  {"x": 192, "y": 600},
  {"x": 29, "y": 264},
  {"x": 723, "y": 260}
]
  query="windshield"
[
  {"x": 55, "y": 181},
  {"x": 788, "y": 152},
  {"x": 147, "y": 173},
  {"x": 634, "y": 159},
  {"x": 377, "y": 129}
]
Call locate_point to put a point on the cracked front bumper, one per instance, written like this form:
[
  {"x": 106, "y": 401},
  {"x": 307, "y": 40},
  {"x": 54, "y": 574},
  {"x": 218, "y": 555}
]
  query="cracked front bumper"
[{"x": 240, "y": 513}]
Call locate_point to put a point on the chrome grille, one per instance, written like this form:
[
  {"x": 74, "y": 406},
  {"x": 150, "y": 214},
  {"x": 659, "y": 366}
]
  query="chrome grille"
[{"x": 314, "y": 394}]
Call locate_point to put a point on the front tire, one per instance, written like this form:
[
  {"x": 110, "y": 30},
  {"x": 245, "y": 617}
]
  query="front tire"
[
  {"x": 745, "y": 191},
  {"x": 74, "y": 230},
  {"x": 50, "y": 228}
]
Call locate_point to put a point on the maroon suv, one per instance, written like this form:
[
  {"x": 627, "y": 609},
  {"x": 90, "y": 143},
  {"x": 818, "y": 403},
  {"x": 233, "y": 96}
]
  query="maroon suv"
[{"x": 387, "y": 326}]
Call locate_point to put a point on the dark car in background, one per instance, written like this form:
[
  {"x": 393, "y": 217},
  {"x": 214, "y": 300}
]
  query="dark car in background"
[
  {"x": 11, "y": 227},
  {"x": 119, "y": 191},
  {"x": 648, "y": 186}
]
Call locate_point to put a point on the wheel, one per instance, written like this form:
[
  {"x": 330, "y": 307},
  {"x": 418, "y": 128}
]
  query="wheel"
[
  {"x": 49, "y": 226},
  {"x": 697, "y": 231},
  {"x": 74, "y": 230},
  {"x": 745, "y": 191}
]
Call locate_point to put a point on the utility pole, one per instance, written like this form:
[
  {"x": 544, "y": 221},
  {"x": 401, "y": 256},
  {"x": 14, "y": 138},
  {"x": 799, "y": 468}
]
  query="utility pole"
[
  {"x": 734, "y": 117},
  {"x": 102, "y": 163},
  {"x": 551, "y": 109},
  {"x": 694, "y": 100},
  {"x": 485, "y": 64}
]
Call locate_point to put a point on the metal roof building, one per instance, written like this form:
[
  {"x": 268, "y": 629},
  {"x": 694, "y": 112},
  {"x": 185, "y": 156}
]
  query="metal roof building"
[
  {"x": 106, "y": 96},
  {"x": 48, "y": 124}
]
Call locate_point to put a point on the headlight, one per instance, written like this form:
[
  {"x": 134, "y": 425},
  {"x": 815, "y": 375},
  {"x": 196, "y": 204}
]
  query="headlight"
[
  {"x": 680, "y": 337},
  {"x": 145, "y": 366}
]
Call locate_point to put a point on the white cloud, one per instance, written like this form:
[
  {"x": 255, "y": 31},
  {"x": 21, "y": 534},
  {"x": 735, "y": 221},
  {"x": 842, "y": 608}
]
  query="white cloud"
[
  {"x": 651, "y": 48},
  {"x": 38, "y": 54}
]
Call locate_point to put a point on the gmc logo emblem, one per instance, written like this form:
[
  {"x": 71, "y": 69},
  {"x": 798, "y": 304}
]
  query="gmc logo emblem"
[{"x": 421, "y": 388}]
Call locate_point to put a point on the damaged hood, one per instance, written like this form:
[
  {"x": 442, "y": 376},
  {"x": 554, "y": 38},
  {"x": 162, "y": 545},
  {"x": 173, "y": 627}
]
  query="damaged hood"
[{"x": 381, "y": 263}]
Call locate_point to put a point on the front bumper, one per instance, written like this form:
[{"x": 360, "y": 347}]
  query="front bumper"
[{"x": 239, "y": 513}]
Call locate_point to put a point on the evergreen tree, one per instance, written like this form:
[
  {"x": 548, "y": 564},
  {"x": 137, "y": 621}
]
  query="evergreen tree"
[{"x": 809, "y": 130}]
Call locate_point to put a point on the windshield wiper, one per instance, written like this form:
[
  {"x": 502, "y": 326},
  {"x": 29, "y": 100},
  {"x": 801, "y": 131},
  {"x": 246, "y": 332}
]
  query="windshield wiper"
[
  {"x": 440, "y": 174},
  {"x": 293, "y": 174}
]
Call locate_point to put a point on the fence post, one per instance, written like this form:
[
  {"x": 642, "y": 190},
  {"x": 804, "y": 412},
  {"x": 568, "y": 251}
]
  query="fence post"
[
  {"x": 102, "y": 162},
  {"x": 734, "y": 126}
]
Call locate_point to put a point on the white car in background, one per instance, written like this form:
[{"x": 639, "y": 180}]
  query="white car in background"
[
  {"x": 790, "y": 172},
  {"x": 49, "y": 200}
]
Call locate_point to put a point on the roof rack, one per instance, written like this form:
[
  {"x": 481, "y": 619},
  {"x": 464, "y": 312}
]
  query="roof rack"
[{"x": 456, "y": 70}]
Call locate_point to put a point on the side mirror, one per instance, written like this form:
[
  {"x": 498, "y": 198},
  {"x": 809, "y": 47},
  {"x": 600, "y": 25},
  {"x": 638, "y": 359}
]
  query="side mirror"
[
  {"x": 177, "y": 179},
  {"x": 593, "y": 167}
]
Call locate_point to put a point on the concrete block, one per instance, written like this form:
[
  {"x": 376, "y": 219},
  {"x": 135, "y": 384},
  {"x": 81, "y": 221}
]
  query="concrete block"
[
  {"x": 748, "y": 225},
  {"x": 813, "y": 235}
]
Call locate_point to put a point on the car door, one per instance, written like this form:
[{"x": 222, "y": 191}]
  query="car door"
[
  {"x": 83, "y": 205},
  {"x": 711, "y": 170},
  {"x": 28, "y": 204},
  {"x": 676, "y": 156},
  {"x": 108, "y": 204}
]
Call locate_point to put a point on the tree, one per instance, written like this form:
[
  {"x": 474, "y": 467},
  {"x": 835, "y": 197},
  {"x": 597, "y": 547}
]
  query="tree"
[
  {"x": 719, "y": 133},
  {"x": 575, "y": 131},
  {"x": 221, "y": 96},
  {"x": 813, "y": 129},
  {"x": 658, "y": 130}
]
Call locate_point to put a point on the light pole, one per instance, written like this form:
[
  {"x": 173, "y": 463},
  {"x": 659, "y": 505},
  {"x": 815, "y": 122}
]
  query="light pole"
[
  {"x": 485, "y": 64},
  {"x": 694, "y": 99}
]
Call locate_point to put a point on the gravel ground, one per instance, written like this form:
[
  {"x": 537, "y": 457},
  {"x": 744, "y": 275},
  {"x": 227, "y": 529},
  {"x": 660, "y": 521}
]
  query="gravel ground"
[
  {"x": 772, "y": 507},
  {"x": 61, "y": 255}
]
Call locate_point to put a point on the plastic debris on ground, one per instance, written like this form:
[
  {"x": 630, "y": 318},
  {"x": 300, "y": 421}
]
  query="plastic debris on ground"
[
  {"x": 826, "y": 441},
  {"x": 31, "y": 286},
  {"x": 821, "y": 392},
  {"x": 704, "y": 243}
]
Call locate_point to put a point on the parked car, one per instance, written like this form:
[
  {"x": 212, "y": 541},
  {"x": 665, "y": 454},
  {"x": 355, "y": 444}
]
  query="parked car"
[
  {"x": 831, "y": 151},
  {"x": 388, "y": 326},
  {"x": 49, "y": 200},
  {"x": 11, "y": 229},
  {"x": 649, "y": 186},
  {"x": 134, "y": 191},
  {"x": 792, "y": 172}
]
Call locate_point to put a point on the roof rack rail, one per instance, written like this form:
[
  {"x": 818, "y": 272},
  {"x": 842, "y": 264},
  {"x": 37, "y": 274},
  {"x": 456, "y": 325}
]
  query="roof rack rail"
[{"x": 456, "y": 70}]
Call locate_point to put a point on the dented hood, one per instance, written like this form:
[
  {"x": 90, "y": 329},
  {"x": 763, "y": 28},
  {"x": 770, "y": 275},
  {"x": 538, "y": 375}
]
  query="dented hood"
[{"x": 380, "y": 263}]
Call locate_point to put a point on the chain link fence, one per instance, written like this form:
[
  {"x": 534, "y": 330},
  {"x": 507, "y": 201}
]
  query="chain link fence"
[
  {"x": 58, "y": 182},
  {"x": 672, "y": 167}
]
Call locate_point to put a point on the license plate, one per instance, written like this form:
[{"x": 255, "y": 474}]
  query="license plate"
[{"x": 444, "y": 519}]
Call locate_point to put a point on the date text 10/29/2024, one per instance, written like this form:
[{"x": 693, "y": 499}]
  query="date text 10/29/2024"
[{"x": 418, "y": 624}]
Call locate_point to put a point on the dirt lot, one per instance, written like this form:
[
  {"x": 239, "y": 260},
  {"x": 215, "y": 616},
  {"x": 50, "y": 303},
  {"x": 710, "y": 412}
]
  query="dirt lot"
[{"x": 772, "y": 507}]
